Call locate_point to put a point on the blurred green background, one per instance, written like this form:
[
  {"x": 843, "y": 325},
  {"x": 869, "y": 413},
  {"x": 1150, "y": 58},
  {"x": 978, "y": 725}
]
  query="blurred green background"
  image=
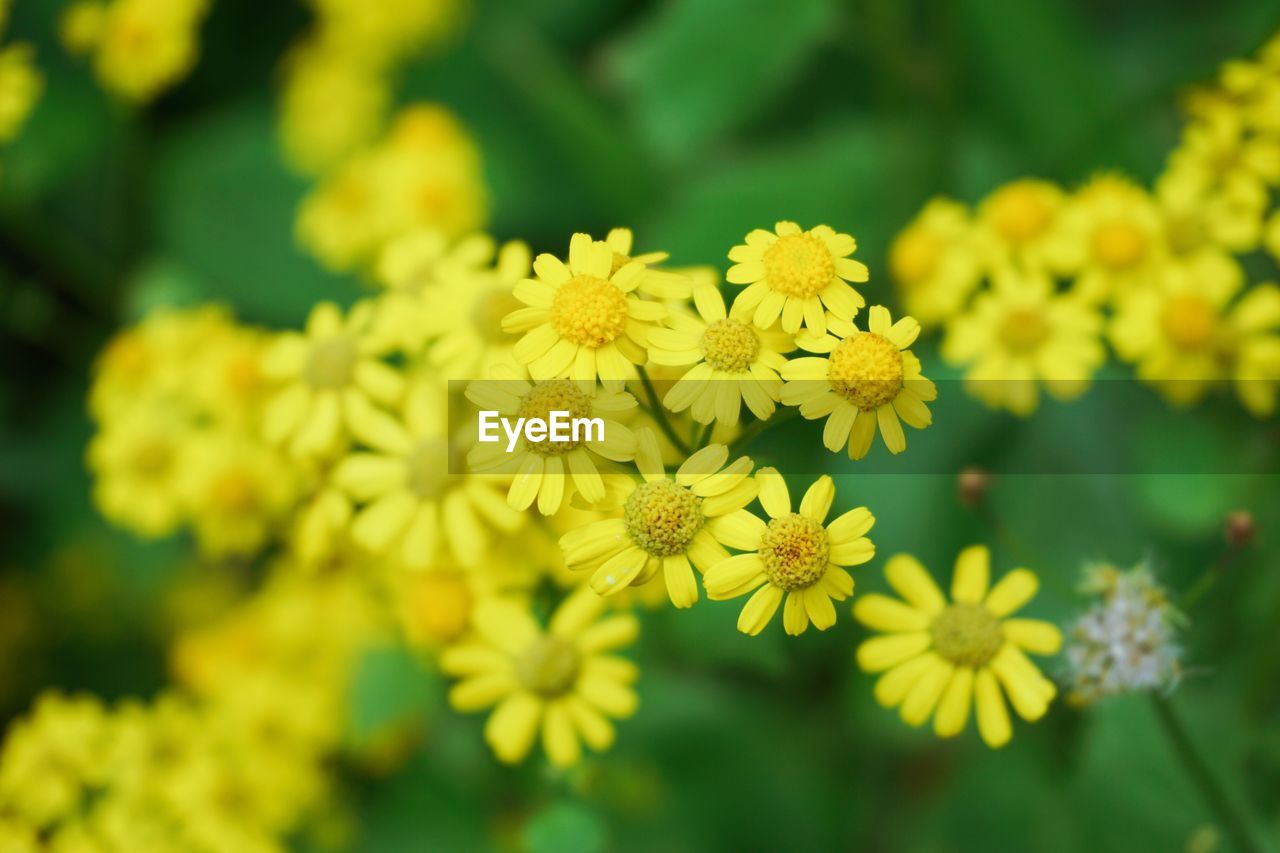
[{"x": 691, "y": 121}]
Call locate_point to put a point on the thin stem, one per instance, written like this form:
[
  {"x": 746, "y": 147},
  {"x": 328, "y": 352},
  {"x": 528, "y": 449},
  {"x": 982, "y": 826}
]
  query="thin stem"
[
  {"x": 1208, "y": 580},
  {"x": 704, "y": 436},
  {"x": 659, "y": 414},
  {"x": 1215, "y": 797}
]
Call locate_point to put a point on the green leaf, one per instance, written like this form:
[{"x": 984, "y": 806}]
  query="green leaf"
[
  {"x": 565, "y": 828},
  {"x": 697, "y": 68},
  {"x": 390, "y": 688}
]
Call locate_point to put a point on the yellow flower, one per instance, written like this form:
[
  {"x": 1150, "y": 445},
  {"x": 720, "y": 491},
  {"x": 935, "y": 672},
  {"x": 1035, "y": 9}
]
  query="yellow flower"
[
  {"x": 795, "y": 555},
  {"x": 417, "y": 500},
  {"x": 551, "y": 471},
  {"x": 666, "y": 524},
  {"x": 562, "y": 682},
  {"x": 733, "y": 361},
  {"x": 461, "y": 313},
  {"x": 436, "y": 605},
  {"x": 146, "y": 46},
  {"x": 329, "y": 381},
  {"x": 1020, "y": 333},
  {"x": 1120, "y": 238},
  {"x": 940, "y": 658},
  {"x": 935, "y": 261},
  {"x": 793, "y": 274},
  {"x": 331, "y": 106},
  {"x": 1021, "y": 225},
  {"x": 863, "y": 379},
  {"x": 1200, "y": 218},
  {"x": 389, "y": 30},
  {"x": 1189, "y": 332},
  {"x": 1219, "y": 150},
  {"x": 135, "y": 460},
  {"x": 238, "y": 491},
  {"x": 658, "y": 283},
  {"x": 20, "y": 87},
  {"x": 347, "y": 217},
  {"x": 583, "y": 319},
  {"x": 320, "y": 526}
]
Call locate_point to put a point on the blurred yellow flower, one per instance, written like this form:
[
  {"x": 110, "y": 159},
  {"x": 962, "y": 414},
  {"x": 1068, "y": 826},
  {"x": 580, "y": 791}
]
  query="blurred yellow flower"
[
  {"x": 935, "y": 261},
  {"x": 1021, "y": 224},
  {"x": 796, "y": 556},
  {"x": 733, "y": 361},
  {"x": 666, "y": 524},
  {"x": 1019, "y": 335},
  {"x": 20, "y": 86},
  {"x": 862, "y": 379},
  {"x": 238, "y": 491},
  {"x": 551, "y": 471},
  {"x": 796, "y": 274},
  {"x": 330, "y": 382},
  {"x": 1117, "y": 231},
  {"x": 940, "y": 658},
  {"x": 562, "y": 682},
  {"x": 1190, "y": 332},
  {"x": 136, "y": 462},
  {"x": 418, "y": 501}
]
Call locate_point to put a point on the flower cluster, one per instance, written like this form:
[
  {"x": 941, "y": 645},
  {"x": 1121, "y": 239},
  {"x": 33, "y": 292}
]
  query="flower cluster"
[
  {"x": 1126, "y": 643},
  {"x": 1029, "y": 284},
  {"x": 139, "y": 48},
  {"x": 338, "y": 78}
]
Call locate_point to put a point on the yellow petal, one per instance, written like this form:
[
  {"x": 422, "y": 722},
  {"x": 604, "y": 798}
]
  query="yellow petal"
[
  {"x": 973, "y": 567},
  {"x": 912, "y": 582},
  {"x": 881, "y": 613},
  {"x": 1033, "y": 635},
  {"x": 953, "y": 707},
  {"x": 1011, "y": 592},
  {"x": 993, "y": 716},
  {"x": 880, "y": 653}
]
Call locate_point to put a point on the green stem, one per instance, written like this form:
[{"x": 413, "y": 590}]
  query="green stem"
[
  {"x": 659, "y": 414},
  {"x": 1208, "y": 580},
  {"x": 1215, "y": 797},
  {"x": 704, "y": 436}
]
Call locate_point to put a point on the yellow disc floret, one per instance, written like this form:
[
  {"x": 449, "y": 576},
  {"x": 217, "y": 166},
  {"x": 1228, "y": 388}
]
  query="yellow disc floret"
[
  {"x": 799, "y": 265},
  {"x": 663, "y": 517},
  {"x": 1119, "y": 244},
  {"x": 966, "y": 634},
  {"x": 730, "y": 345},
  {"x": 914, "y": 256},
  {"x": 866, "y": 370},
  {"x": 589, "y": 311},
  {"x": 548, "y": 667},
  {"x": 1020, "y": 212},
  {"x": 331, "y": 362},
  {"x": 1023, "y": 329},
  {"x": 554, "y": 395},
  {"x": 1188, "y": 320},
  {"x": 438, "y": 606},
  {"x": 795, "y": 551}
]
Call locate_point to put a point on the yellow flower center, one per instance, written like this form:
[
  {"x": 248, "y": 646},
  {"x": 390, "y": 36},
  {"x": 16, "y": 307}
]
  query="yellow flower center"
[
  {"x": 730, "y": 345},
  {"x": 1020, "y": 213},
  {"x": 1119, "y": 244},
  {"x": 549, "y": 667},
  {"x": 795, "y": 551},
  {"x": 243, "y": 373},
  {"x": 799, "y": 265},
  {"x": 152, "y": 458},
  {"x": 1023, "y": 329},
  {"x": 332, "y": 362},
  {"x": 663, "y": 517},
  {"x": 914, "y": 256},
  {"x": 489, "y": 308},
  {"x": 234, "y": 493},
  {"x": 428, "y": 466},
  {"x": 554, "y": 395},
  {"x": 866, "y": 370},
  {"x": 438, "y": 607},
  {"x": 1189, "y": 321},
  {"x": 966, "y": 634},
  {"x": 589, "y": 311}
]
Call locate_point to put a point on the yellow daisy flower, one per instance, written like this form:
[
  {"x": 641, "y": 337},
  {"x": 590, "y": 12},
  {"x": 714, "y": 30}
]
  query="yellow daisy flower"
[
  {"x": 329, "y": 380},
  {"x": 666, "y": 523},
  {"x": 1119, "y": 236},
  {"x": 551, "y": 471},
  {"x": 733, "y": 361},
  {"x": 794, "y": 274},
  {"x": 462, "y": 316},
  {"x": 658, "y": 283},
  {"x": 1021, "y": 224},
  {"x": 562, "y": 682},
  {"x": 795, "y": 555},
  {"x": 940, "y": 658},
  {"x": 1020, "y": 333},
  {"x": 1190, "y": 333},
  {"x": 239, "y": 492},
  {"x": 416, "y": 501},
  {"x": 435, "y": 606},
  {"x": 582, "y": 318},
  {"x": 1220, "y": 150},
  {"x": 135, "y": 461},
  {"x": 861, "y": 379},
  {"x": 935, "y": 261},
  {"x": 1201, "y": 217}
]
